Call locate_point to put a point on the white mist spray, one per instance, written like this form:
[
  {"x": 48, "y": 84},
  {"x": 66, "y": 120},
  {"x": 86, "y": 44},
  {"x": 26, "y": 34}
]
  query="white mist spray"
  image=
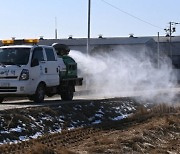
[{"x": 120, "y": 73}]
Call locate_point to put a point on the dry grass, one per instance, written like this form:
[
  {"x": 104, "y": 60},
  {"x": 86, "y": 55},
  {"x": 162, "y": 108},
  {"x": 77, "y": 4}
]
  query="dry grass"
[
  {"x": 165, "y": 108},
  {"x": 62, "y": 150},
  {"x": 43, "y": 149},
  {"x": 40, "y": 149},
  {"x": 157, "y": 110}
]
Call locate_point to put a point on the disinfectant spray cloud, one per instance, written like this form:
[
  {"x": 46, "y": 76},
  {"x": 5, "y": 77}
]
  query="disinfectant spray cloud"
[{"x": 123, "y": 73}]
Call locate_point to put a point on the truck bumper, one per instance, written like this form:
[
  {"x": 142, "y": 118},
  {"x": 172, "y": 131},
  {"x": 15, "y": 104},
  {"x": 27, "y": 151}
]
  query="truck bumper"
[
  {"x": 13, "y": 88},
  {"x": 72, "y": 81}
]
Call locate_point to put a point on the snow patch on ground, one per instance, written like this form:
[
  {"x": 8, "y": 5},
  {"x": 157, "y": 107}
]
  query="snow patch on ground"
[{"x": 38, "y": 121}]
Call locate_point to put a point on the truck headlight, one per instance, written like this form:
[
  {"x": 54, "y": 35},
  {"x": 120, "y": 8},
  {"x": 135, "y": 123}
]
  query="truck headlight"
[{"x": 24, "y": 75}]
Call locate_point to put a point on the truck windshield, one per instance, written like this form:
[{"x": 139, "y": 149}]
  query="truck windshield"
[{"x": 14, "y": 56}]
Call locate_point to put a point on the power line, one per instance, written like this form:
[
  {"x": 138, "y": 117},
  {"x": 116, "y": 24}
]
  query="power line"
[{"x": 131, "y": 15}]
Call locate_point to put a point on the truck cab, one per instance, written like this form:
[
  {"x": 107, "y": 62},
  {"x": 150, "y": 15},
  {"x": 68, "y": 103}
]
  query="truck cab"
[{"x": 27, "y": 70}]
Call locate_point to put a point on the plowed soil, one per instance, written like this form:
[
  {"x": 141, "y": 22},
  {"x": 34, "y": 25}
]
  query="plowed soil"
[{"x": 154, "y": 129}]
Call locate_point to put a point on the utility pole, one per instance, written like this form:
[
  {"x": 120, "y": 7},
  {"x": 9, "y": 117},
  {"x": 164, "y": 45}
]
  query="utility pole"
[
  {"x": 170, "y": 35},
  {"x": 89, "y": 24},
  {"x": 169, "y": 32},
  {"x": 158, "y": 50},
  {"x": 55, "y": 28}
]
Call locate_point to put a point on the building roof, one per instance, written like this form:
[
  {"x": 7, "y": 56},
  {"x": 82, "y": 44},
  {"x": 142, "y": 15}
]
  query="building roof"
[
  {"x": 99, "y": 41},
  {"x": 109, "y": 40}
]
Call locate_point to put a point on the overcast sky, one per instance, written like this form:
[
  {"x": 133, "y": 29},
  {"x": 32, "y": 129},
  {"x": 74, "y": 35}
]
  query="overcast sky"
[{"x": 111, "y": 18}]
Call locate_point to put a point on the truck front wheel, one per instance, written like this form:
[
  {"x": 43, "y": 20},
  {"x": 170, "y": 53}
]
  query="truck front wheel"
[
  {"x": 68, "y": 94},
  {"x": 39, "y": 95}
]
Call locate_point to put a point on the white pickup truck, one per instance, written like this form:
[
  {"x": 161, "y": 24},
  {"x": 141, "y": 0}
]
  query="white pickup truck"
[{"x": 33, "y": 71}]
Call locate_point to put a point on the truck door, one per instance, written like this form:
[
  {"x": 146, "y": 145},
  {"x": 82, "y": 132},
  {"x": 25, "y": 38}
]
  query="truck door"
[
  {"x": 52, "y": 67},
  {"x": 38, "y": 73}
]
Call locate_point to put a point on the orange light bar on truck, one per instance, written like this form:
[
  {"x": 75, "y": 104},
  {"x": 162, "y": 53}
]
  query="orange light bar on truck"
[
  {"x": 6, "y": 42},
  {"x": 33, "y": 41},
  {"x": 20, "y": 41}
]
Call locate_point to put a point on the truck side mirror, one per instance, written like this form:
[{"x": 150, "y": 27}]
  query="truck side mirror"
[{"x": 35, "y": 62}]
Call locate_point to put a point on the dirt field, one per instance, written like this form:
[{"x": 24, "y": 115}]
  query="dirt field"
[{"x": 153, "y": 129}]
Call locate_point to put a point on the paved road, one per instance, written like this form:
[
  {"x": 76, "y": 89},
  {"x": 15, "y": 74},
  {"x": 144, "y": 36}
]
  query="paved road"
[
  {"x": 57, "y": 100},
  {"x": 23, "y": 103},
  {"x": 26, "y": 103}
]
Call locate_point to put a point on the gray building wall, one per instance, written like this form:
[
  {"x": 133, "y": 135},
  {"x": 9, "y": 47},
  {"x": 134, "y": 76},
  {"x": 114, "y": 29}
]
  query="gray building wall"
[
  {"x": 108, "y": 44},
  {"x": 133, "y": 44}
]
